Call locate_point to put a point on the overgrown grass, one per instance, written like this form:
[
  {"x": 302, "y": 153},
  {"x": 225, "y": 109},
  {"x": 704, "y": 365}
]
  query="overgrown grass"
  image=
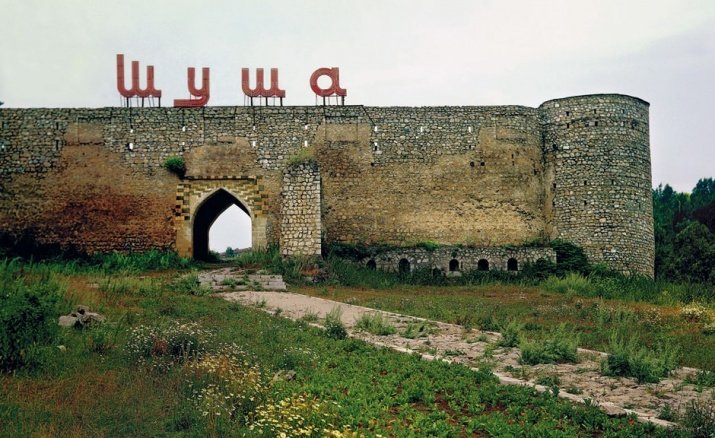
[
  {"x": 375, "y": 323},
  {"x": 559, "y": 345},
  {"x": 511, "y": 334},
  {"x": 293, "y": 269},
  {"x": 28, "y": 308},
  {"x": 631, "y": 359},
  {"x": 146, "y": 376},
  {"x": 334, "y": 327}
]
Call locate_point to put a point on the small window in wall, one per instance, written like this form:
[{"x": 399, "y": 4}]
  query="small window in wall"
[
  {"x": 512, "y": 264},
  {"x": 483, "y": 265},
  {"x": 453, "y": 265},
  {"x": 403, "y": 267},
  {"x": 585, "y": 202},
  {"x": 371, "y": 265},
  {"x": 595, "y": 123}
]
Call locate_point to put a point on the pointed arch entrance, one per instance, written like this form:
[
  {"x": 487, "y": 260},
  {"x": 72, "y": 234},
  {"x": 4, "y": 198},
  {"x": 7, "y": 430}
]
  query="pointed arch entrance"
[
  {"x": 201, "y": 202},
  {"x": 205, "y": 216}
]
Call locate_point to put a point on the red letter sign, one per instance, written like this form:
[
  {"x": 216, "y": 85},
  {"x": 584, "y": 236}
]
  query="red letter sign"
[
  {"x": 334, "y": 89},
  {"x": 149, "y": 91},
  {"x": 260, "y": 90},
  {"x": 201, "y": 94}
]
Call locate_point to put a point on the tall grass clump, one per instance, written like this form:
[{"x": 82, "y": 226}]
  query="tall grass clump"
[
  {"x": 571, "y": 284},
  {"x": 292, "y": 269},
  {"x": 351, "y": 274},
  {"x": 511, "y": 334},
  {"x": 560, "y": 345},
  {"x": 140, "y": 261},
  {"x": 376, "y": 324},
  {"x": 28, "y": 312},
  {"x": 334, "y": 327},
  {"x": 631, "y": 359}
]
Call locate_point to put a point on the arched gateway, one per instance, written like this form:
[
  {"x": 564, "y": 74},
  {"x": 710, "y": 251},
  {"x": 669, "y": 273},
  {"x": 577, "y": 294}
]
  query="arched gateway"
[{"x": 200, "y": 202}]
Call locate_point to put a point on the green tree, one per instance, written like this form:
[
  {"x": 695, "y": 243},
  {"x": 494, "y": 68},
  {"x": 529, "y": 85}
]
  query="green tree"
[
  {"x": 230, "y": 252},
  {"x": 694, "y": 253}
]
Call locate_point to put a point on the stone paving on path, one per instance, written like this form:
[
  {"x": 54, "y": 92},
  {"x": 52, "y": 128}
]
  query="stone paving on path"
[{"x": 579, "y": 382}]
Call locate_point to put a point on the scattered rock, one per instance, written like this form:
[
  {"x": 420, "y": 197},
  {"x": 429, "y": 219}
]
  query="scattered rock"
[
  {"x": 283, "y": 376},
  {"x": 81, "y": 317},
  {"x": 68, "y": 320}
]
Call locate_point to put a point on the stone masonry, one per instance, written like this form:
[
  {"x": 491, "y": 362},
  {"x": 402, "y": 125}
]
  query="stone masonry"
[
  {"x": 576, "y": 168},
  {"x": 300, "y": 210}
]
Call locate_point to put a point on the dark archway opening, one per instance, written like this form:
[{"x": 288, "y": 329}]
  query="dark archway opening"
[
  {"x": 404, "y": 266},
  {"x": 371, "y": 265},
  {"x": 205, "y": 217},
  {"x": 512, "y": 264},
  {"x": 483, "y": 265},
  {"x": 453, "y": 265}
]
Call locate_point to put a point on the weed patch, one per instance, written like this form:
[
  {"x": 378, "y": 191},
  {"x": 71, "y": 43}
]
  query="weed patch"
[
  {"x": 376, "y": 324},
  {"x": 560, "y": 345},
  {"x": 631, "y": 359}
]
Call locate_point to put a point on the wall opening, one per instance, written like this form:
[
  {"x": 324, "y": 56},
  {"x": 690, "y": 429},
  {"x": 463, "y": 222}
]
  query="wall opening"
[
  {"x": 403, "y": 267},
  {"x": 371, "y": 265},
  {"x": 512, "y": 264},
  {"x": 453, "y": 265},
  {"x": 483, "y": 265},
  {"x": 219, "y": 222}
]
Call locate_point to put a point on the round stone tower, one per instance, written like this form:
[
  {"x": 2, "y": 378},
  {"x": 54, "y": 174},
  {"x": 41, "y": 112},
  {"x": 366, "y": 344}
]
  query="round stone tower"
[{"x": 598, "y": 178}]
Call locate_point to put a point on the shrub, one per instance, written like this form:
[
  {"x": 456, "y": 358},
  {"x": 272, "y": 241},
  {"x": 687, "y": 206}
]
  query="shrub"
[
  {"x": 511, "y": 334},
  {"x": 569, "y": 257},
  {"x": 631, "y": 359},
  {"x": 376, "y": 324},
  {"x": 28, "y": 312},
  {"x": 560, "y": 345},
  {"x": 334, "y": 328},
  {"x": 702, "y": 378},
  {"x": 163, "y": 346},
  {"x": 695, "y": 312},
  {"x": 225, "y": 385},
  {"x": 303, "y": 156},
  {"x": 700, "y": 419},
  {"x": 176, "y": 165}
]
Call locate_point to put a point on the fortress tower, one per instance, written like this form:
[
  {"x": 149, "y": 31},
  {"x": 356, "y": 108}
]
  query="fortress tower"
[{"x": 598, "y": 179}]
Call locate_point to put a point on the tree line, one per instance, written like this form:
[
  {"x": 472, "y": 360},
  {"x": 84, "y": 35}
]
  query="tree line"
[{"x": 684, "y": 225}]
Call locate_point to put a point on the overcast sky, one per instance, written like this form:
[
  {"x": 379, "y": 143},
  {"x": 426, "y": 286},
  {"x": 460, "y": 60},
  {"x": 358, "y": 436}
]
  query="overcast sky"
[{"x": 472, "y": 52}]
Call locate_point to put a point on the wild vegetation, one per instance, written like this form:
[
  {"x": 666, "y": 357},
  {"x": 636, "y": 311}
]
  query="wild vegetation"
[{"x": 173, "y": 360}]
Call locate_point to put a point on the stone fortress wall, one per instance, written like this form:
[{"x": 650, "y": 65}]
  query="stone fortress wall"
[{"x": 92, "y": 179}]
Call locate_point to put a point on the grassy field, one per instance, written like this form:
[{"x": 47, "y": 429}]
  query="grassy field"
[
  {"x": 171, "y": 361},
  {"x": 489, "y": 306}
]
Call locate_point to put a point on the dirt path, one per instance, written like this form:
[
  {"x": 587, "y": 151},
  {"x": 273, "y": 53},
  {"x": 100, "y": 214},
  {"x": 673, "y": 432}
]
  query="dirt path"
[{"x": 452, "y": 343}]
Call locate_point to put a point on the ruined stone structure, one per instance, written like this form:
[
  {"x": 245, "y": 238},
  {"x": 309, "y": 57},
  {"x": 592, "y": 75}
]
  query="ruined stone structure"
[{"x": 483, "y": 177}]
